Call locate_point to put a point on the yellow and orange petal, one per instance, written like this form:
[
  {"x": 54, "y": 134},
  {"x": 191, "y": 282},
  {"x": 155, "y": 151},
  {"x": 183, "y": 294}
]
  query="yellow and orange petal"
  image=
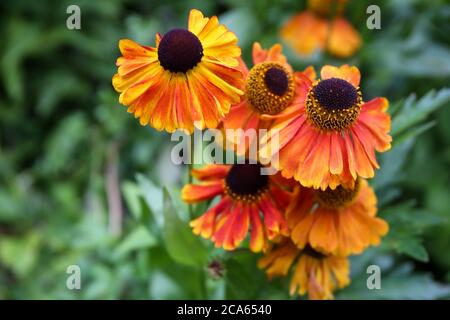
[
  {"x": 339, "y": 222},
  {"x": 313, "y": 273},
  {"x": 191, "y": 76},
  {"x": 327, "y": 147},
  {"x": 248, "y": 202},
  {"x": 344, "y": 40},
  {"x": 312, "y": 30},
  {"x": 319, "y": 277},
  {"x": 305, "y": 32}
]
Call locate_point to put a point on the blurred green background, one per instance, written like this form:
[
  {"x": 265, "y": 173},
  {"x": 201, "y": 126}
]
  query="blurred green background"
[{"x": 81, "y": 182}]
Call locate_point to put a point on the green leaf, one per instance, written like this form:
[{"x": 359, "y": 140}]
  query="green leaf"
[
  {"x": 139, "y": 238},
  {"x": 20, "y": 254},
  {"x": 414, "y": 132},
  {"x": 398, "y": 284},
  {"x": 406, "y": 227},
  {"x": 132, "y": 194},
  {"x": 406, "y": 216},
  {"x": 182, "y": 245},
  {"x": 410, "y": 245},
  {"x": 414, "y": 111},
  {"x": 239, "y": 284},
  {"x": 242, "y": 21},
  {"x": 153, "y": 197},
  {"x": 391, "y": 164}
]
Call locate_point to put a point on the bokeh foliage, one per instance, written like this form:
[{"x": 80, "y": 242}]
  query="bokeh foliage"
[{"x": 67, "y": 148}]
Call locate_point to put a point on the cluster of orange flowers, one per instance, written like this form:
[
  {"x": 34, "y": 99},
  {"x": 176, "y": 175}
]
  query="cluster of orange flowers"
[{"x": 318, "y": 208}]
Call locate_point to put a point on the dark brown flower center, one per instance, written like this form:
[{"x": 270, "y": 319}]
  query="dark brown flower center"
[
  {"x": 179, "y": 50},
  {"x": 269, "y": 88},
  {"x": 335, "y": 94},
  {"x": 333, "y": 104},
  {"x": 276, "y": 81},
  {"x": 245, "y": 181},
  {"x": 339, "y": 197}
]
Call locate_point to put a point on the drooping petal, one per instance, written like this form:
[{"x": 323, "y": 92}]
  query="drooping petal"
[
  {"x": 317, "y": 276},
  {"x": 376, "y": 121},
  {"x": 233, "y": 227},
  {"x": 279, "y": 260},
  {"x": 211, "y": 172},
  {"x": 274, "y": 221},
  {"x": 258, "y": 240},
  {"x": 341, "y": 230},
  {"x": 323, "y": 234},
  {"x": 206, "y": 223},
  {"x": 193, "y": 193}
]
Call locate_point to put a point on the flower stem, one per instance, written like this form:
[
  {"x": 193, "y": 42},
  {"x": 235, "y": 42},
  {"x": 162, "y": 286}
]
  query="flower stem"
[{"x": 190, "y": 167}]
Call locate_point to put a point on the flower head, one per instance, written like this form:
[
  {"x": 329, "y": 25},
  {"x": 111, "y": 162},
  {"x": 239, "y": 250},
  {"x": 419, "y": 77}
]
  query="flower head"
[
  {"x": 248, "y": 199},
  {"x": 190, "y": 76},
  {"x": 331, "y": 139},
  {"x": 339, "y": 222},
  {"x": 269, "y": 90},
  {"x": 311, "y": 29},
  {"x": 313, "y": 272}
]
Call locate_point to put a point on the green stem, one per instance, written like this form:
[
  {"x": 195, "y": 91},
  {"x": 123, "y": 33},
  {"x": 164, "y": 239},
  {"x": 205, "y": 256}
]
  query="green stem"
[{"x": 190, "y": 167}]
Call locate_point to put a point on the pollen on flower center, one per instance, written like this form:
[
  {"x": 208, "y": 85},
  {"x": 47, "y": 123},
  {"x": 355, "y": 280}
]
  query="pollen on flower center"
[
  {"x": 245, "y": 182},
  {"x": 269, "y": 88},
  {"x": 179, "y": 50},
  {"x": 333, "y": 104},
  {"x": 339, "y": 197}
]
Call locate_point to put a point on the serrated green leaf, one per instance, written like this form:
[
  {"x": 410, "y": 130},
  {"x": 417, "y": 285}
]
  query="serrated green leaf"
[
  {"x": 182, "y": 245},
  {"x": 406, "y": 227},
  {"x": 411, "y": 246},
  {"x": 406, "y": 216},
  {"x": 139, "y": 238},
  {"x": 414, "y": 111},
  {"x": 414, "y": 132}
]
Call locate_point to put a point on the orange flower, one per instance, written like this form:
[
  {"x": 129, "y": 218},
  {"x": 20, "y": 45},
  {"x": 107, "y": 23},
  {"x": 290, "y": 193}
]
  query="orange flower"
[
  {"x": 190, "y": 76},
  {"x": 339, "y": 222},
  {"x": 331, "y": 139},
  {"x": 314, "y": 273},
  {"x": 270, "y": 88},
  {"x": 248, "y": 199},
  {"x": 310, "y": 30}
]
